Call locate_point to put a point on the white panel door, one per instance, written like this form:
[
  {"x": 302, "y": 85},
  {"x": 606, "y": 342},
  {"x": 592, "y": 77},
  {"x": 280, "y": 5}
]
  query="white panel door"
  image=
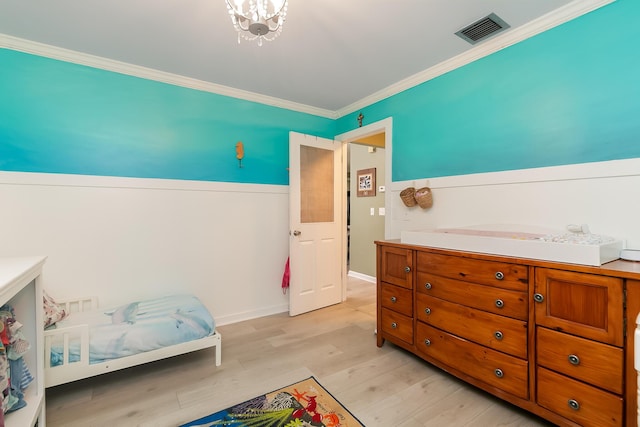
[{"x": 315, "y": 219}]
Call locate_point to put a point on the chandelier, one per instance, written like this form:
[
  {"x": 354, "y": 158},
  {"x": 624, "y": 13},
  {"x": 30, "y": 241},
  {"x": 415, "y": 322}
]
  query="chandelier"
[{"x": 257, "y": 19}]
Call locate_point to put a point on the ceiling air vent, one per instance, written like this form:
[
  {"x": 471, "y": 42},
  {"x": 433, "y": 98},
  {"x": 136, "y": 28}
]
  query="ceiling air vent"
[{"x": 483, "y": 29}]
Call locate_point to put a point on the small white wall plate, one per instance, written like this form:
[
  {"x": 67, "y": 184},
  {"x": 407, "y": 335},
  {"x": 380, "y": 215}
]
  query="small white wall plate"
[{"x": 630, "y": 254}]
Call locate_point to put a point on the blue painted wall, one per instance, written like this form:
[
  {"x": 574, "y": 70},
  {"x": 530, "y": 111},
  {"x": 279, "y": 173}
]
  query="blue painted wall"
[
  {"x": 58, "y": 117},
  {"x": 569, "y": 95}
]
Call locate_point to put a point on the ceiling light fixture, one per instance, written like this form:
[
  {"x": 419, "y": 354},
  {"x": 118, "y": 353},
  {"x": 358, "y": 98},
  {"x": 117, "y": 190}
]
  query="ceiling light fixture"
[{"x": 257, "y": 19}]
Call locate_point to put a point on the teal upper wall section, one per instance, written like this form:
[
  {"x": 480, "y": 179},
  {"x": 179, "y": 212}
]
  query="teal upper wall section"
[
  {"x": 58, "y": 117},
  {"x": 569, "y": 95}
]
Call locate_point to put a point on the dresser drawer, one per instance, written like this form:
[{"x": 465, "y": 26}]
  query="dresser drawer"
[
  {"x": 396, "y": 298},
  {"x": 577, "y": 401},
  {"x": 498, "y": 332},
  {"x": 487, "y": 298},
  {"x": 492, "y": 367},
  {"x": 492, "y": 273},
  {"x": 589, "y": 361},
  {"x": 397, "y": 325}
]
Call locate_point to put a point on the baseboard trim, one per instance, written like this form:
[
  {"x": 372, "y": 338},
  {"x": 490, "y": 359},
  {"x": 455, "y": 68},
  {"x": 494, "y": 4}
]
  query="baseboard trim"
[
  {"x": 361, "y": 276},
  {"x": 249, "y": 315}
]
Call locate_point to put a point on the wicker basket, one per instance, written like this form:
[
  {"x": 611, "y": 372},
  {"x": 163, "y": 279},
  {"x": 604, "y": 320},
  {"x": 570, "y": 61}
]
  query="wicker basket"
[
  {"x": 424, "y": 197},
  {"x": 407, "y": 196}
]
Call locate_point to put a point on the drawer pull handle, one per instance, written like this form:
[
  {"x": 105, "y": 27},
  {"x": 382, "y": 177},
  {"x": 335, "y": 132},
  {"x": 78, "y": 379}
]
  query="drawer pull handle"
[
  {"x": 499, "y": 275},
  {"x": 394, "y": 325},
  {"x": 538, "y": 297},
  {"x": 394, "y": 299},
  {"x": 427, "y": 285},
  {"x": 498, "y": 335},
  {"x": 499, "y": 373},
  {"x": 427, "y": 310},
  {"x": 574, "y": 360},
  {"x": 407, "y": 269},
  {"x": 427, "y": 342},
  {"x": 499, "y": 303},
  {"x": 573, "y": 404}
]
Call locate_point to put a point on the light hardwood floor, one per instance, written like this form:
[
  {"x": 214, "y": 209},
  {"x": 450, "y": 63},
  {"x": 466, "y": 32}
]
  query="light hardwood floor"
[{"x": 385, "y": 387}]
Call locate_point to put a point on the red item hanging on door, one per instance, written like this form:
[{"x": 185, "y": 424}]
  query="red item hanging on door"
[{"x": 286, "y": 277}]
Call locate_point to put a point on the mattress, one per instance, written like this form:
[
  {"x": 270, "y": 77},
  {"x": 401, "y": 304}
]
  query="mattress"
[{"x": 136, "y": 327}]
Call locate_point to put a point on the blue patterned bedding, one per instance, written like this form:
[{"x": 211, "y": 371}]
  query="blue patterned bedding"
[{"x": 136, "y": 327}]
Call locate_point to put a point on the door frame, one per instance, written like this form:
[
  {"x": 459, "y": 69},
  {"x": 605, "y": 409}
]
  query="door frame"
[{"x": 386, "y": 126}]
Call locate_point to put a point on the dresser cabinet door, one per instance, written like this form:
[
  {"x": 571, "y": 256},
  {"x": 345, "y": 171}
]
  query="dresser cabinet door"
[
  {"x": 581, "y": 304},
  {"x": 395, "y": 266}
]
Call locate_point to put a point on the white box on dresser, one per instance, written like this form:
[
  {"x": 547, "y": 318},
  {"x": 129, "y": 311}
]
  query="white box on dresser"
[
  {"x": 20, "y": 285},
  {"x": 521, "y": 241}
]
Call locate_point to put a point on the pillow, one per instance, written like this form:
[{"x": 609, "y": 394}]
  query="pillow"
[{"x": 53, "y": 312}]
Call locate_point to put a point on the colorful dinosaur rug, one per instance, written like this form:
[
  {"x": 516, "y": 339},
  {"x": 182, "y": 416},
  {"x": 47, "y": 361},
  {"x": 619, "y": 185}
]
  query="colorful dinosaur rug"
[{"x": 302, "y": 404}]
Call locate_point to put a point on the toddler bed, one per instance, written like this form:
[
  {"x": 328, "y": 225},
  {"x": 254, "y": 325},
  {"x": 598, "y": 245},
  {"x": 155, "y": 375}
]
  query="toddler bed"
[{"x": 85, "y": 341}]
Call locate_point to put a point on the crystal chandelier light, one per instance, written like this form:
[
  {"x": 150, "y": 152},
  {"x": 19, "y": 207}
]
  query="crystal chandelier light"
[{"x": 257, "y": 19}]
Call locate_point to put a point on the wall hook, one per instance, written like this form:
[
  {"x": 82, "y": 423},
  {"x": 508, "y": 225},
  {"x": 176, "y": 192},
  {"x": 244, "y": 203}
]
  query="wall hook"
[
  {"x": 360, "y": 118},
  {"x": 239, "y": 153}
]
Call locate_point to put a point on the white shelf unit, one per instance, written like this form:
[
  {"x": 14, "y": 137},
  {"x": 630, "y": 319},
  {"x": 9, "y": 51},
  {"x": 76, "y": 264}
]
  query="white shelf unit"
[{"x": 21, "y": 286}]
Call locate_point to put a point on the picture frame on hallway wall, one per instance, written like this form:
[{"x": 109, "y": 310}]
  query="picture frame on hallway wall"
[{"x": 366, "y": 182}]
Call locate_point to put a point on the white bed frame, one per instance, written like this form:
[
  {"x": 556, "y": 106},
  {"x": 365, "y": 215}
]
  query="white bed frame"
[{"x": 67, "y": 372}]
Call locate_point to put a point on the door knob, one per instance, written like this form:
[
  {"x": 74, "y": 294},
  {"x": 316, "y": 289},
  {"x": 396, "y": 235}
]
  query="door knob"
[{"x": 297, "y": 232}]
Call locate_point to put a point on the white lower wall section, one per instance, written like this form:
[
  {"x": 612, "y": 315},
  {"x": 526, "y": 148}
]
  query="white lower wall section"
[
  {"x": 604, "y": 195},
  {"x": 123, "y": 239}
]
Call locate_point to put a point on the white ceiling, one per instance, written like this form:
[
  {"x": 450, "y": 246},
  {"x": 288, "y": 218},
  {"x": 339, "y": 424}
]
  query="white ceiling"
[{"x": 330, "y": 55}]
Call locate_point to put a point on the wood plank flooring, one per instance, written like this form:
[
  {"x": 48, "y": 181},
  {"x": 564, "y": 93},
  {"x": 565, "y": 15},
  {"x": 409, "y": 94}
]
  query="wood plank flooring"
[{"x": 385, "y": 387}]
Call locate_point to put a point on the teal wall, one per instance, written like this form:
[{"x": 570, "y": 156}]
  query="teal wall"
[
  {"x": 569, "y": 95},
  {"x": 58, "y": 117}
]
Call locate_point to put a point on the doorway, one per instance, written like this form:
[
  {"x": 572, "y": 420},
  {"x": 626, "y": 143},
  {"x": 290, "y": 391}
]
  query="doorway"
[
  {"x": 365, "y": 208},
  {"x": 384, "y": 129}
]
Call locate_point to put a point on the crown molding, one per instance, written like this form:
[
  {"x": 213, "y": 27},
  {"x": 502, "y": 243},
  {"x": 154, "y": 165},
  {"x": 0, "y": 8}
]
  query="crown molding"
[
  {"x": 564, "y": 14},
  {"x": 53, "y": 52},
  {"x": 559, "y": 16}
]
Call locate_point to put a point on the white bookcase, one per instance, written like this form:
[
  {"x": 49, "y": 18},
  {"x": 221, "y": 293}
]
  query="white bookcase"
[{"x": 20, "y": 285}]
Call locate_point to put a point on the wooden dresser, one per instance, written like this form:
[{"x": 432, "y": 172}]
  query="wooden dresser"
[{"x": 555, "y": 339}]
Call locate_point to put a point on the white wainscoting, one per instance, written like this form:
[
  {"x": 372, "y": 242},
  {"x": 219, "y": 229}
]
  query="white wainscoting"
[
  {"x": 604, "y": 195},
  {"x": 128, "y": 238}
]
